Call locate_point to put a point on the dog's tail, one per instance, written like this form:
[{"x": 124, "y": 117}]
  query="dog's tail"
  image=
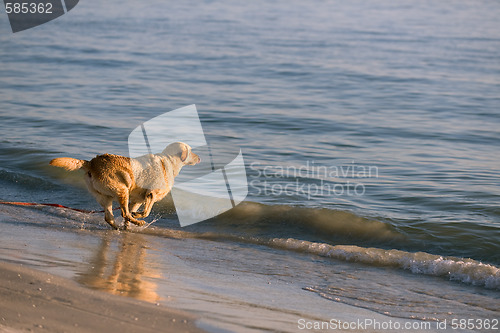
[{"x": 70, "y": 164}]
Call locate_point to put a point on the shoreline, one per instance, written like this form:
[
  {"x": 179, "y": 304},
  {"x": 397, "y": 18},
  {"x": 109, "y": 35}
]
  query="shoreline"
[
  {"x": 103, "y": 280},
  {"x": 33, "y": 300}
]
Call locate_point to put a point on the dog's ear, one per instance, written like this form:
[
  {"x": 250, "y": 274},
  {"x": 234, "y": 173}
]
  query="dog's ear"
[{"x": 185, "y": 154}]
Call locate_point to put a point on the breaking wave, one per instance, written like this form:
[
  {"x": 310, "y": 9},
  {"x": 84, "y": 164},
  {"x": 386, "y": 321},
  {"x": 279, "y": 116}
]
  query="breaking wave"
[
  {"x": 265, "y": 225},
  {"x": 464, "y": 270}
]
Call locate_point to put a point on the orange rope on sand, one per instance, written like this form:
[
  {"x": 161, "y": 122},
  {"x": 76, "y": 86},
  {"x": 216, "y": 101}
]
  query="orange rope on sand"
[{"x": 47, "y": 204}]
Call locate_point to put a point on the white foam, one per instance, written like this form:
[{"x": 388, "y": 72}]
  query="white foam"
[{"x": 459, "y": 269}]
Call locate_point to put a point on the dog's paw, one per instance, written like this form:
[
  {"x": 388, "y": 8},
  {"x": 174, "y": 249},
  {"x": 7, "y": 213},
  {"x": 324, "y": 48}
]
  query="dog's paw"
[
  {"x": 135, "y": 221},
  {"x": 140, "y": 223},
  {"x": 137, "y": 214},
  {"x": 113, "y": 225}
]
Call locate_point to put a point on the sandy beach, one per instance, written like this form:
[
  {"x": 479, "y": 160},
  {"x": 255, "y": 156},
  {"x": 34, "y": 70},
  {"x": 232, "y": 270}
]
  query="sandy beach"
[
  {"x": 96, "y": 280},
  {"x": 41, "y": 302}
]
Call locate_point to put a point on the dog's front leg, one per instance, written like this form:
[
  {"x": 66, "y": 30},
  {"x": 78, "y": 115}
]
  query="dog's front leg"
[
  {"x": 148, "y": 205},
  {"x": 133, "y": 207}
]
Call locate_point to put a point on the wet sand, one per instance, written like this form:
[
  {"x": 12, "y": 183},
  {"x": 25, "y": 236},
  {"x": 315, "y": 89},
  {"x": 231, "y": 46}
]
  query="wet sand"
[{"x": 36, "y": 301}]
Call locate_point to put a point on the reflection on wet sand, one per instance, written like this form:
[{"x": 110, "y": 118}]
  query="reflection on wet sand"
[{"x": 120, "y": 267}]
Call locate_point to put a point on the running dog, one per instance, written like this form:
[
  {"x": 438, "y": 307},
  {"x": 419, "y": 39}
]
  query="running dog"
[{"x": 131, "y": 182}]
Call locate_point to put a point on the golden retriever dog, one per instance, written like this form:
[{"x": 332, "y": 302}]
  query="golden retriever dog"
[{"x": 132, "y": 182}]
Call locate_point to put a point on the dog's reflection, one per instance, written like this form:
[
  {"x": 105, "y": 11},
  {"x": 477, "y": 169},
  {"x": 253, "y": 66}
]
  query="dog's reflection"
[{"x": 120, "y": 267}]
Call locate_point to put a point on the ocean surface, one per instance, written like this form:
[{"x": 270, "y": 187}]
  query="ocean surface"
[{"x": 370, "y": 132}]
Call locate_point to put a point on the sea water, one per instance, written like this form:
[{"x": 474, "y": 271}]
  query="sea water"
[{"x": 369, "y": 131}]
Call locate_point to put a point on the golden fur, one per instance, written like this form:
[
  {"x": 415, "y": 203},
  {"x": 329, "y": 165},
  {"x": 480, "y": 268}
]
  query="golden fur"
[{"x": 131, "y": 182}]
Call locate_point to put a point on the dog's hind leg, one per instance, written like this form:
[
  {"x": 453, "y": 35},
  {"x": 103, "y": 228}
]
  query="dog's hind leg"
[
  {"x": 107, "y": 203},
  {"x": 123, "y": 198}
]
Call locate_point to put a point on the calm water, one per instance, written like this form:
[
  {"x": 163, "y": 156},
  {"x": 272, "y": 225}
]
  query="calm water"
[{"x": 308, "y": 90}]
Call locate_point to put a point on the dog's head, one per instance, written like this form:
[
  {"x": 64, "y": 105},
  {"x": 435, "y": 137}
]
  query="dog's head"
[{"x": 183, "y": 151}]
